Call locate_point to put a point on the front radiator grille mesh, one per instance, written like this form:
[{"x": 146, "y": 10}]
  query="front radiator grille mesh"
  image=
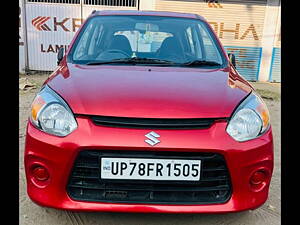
[{"x": 85, "y": 183}]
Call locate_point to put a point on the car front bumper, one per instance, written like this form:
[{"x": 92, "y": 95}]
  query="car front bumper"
[{"x": 57, "y": 154}]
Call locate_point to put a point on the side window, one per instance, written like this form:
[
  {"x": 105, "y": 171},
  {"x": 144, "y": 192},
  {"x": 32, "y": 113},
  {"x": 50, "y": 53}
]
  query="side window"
[
  {"x": 194, "y": 42},
  {"x": 80, "y": 53},
  {"x": 211, "y": 52},
  {"x": 95, "y": 40},
  {"x": 89, "y": 42},
  {"x": 190, "y": 40}
]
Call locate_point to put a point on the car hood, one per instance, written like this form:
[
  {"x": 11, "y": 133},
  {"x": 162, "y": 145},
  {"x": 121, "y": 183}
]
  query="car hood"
[{"x": 149, "y": 92}]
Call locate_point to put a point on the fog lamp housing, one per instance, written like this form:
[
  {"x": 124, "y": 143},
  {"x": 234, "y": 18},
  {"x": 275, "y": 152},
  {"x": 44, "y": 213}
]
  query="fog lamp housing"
[
  {"x": 259, "y": 179},
  {"x": 40, "y": 173}
]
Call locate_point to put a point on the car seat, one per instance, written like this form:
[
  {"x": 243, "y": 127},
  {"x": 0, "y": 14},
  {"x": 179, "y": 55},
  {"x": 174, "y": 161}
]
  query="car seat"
[
  {"x": 122, "y": 43},
  {"x": 170, "y": 49}
]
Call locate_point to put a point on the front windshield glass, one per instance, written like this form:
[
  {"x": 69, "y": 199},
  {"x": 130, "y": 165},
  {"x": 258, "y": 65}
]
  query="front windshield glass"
[{"x": 177, "y": 40}]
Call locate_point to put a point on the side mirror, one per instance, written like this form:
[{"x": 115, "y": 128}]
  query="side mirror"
[
  {"x": 232, "y": 59},
  {"x": 60, "y": 55}
]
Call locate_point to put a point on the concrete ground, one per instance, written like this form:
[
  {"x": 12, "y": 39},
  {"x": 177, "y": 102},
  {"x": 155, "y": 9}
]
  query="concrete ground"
[{"x": 267, "y": 214}]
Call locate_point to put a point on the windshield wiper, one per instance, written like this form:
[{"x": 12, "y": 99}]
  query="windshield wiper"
[
  {"x": 201, "y": 63},
  {"x": 134, "y": 60}
]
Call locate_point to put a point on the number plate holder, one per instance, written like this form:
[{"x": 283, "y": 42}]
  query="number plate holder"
[{"x": 150, "y": 169}]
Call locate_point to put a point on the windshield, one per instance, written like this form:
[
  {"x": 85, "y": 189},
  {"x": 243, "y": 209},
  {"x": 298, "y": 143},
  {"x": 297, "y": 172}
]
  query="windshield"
[{"x": 167, "y": 39}]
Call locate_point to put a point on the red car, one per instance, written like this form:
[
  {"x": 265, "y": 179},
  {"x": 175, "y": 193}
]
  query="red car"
[{"x": 147, "y": 113}]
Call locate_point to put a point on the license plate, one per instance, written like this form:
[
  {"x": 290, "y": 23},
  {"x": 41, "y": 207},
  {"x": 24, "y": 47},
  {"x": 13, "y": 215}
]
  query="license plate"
[{"x": 150, "y": 169}]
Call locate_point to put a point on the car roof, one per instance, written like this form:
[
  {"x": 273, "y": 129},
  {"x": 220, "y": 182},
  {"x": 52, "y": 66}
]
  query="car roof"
[{"x": 147, "y": 13}]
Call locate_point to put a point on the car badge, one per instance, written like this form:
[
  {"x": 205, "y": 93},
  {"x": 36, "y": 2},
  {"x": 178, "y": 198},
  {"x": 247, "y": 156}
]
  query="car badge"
[{"x": 152, "y": 138}]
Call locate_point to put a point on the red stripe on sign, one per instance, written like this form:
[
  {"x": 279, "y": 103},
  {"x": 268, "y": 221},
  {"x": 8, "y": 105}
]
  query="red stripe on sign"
[
  {"x": 38, "y": 26},
  {"x": 38, "y": 21},
  {"x": 35, "y": 20}
]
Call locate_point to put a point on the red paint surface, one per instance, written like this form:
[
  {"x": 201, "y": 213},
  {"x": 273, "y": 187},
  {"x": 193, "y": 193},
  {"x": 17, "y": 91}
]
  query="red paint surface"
[
  {"x": 58, "y": 155},
  {"x": 163, "y": 92}
]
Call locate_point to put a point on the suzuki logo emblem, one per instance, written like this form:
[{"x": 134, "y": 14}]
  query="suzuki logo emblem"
[{"x": 153, "y": 138}]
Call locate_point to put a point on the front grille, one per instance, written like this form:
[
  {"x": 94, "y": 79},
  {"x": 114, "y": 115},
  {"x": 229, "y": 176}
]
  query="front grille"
[
  {"x": 154, "y": 123},
  {"x": 85, "y": 183}
]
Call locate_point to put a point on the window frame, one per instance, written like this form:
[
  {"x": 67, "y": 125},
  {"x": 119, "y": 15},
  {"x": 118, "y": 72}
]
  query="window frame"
[{"x": 209, "y": 30}]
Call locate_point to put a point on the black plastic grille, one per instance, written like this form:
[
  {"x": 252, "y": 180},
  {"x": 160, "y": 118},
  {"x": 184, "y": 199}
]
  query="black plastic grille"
[
  {"x": 85, "y": 183},
  {"x": 154, "y": 123}
]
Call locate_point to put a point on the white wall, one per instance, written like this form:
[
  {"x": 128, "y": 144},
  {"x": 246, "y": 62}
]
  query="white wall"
[
  {"x": 42, "y": 43},
  {"x": 269, "y": 37},
  {"x": 147, "y": 4},
  {"x": 50, "y": 26},
  {"x": 21, "y": 40}
]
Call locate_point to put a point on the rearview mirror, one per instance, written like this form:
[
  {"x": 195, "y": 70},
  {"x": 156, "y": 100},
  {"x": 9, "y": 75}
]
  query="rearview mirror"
[
  {"x": 60, "y": 55},
  {"x": 232, "y": 59},
  {"x": 146, "y": 27}
]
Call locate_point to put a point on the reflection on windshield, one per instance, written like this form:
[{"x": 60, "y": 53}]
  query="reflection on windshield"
[{"x": 176, "y": 40}]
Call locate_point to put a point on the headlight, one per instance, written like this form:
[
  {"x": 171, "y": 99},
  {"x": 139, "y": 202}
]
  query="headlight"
[
  {"x": 249, "y": 120},
  {"x": 51, "y": 114}
]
